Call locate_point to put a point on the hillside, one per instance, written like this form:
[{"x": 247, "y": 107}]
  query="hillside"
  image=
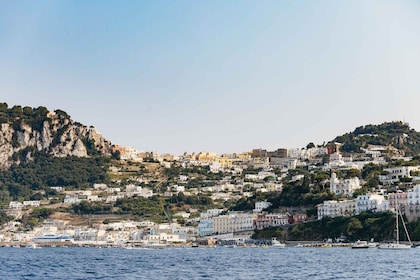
[
  {"x": 393, "y": 135},
  {"x": 40, "y": 149},
  {"x": 26, "y": 130}
]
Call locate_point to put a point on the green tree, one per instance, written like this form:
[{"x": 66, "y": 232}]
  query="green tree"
[{"x": 353, "y": 228}]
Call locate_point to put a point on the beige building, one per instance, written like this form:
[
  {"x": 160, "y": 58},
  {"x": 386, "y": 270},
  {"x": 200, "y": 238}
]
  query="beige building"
[{"x": 232, "y": 222}]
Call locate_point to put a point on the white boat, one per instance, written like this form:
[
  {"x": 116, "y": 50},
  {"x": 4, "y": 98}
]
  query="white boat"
[
  {"x": 51, "y": 237},
  {"x": 360, "y": 244},
  {"x": 277, "y": 244},
  {"x": 32, "y": 245},
  {"x": 397, "y": 245}
]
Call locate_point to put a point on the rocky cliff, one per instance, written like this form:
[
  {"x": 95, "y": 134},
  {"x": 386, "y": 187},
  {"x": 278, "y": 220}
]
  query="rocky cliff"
[{"x": 25, "y": 130}]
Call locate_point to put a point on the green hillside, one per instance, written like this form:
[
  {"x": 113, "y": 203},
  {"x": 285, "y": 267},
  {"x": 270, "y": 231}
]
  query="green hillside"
[{"x": 392, "y": 134}]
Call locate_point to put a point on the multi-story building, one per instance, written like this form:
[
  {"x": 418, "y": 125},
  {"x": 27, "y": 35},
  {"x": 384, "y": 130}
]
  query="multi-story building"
[
  {"x": 396, "y": 173},
  {"x": 333, "y": 208},
  {"x": 373, "y": 202},
  {"x": 261, "y": 205},
  {"x": 263, "y": 220},
  {"x": 232, "y": 223},
  {"x": 210, "y": 213},
  {"x": 205, "y": 228},
  {"x": 413, "y": 196},
  {"x": 344, "y": 186},
  {"x": 399, "y": 197}
]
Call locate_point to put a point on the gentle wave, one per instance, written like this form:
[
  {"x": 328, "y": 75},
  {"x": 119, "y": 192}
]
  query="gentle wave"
[{"x": 215, "y": 263}]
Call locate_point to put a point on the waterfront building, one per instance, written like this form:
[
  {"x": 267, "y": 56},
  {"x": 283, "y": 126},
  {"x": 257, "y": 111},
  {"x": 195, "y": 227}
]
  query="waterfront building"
[
  {"x": 372, "y": 202},
  {"x": 264, "y": 220},
  {"x": 205, "y": 227},
  {"x": 232, "y": 222},
  {"x": 333, "y": 208}
]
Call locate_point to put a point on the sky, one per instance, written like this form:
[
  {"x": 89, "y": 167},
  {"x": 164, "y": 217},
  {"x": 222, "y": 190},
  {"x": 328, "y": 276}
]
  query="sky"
[{"x": 218, "y": 76}]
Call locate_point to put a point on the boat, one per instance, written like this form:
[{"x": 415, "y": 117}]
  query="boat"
[
  {"x": 360, "y": 244},
  {"x": 50, "y": 237},
  {"x": 32, "y": 245},
  {"x": 277, "y": 244},
  {"x": 397, "y": 245}
]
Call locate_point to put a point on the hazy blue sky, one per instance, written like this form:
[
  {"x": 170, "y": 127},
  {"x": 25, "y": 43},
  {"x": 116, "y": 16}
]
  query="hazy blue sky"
[{"x": 221, "y": 76}]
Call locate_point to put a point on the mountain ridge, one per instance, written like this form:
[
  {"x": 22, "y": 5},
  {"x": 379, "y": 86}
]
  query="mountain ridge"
[{"x": 26, "y": 130}]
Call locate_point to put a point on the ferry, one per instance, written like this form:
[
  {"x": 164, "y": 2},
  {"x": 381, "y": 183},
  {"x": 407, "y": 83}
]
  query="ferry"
[{"x": 50, "y": 237}]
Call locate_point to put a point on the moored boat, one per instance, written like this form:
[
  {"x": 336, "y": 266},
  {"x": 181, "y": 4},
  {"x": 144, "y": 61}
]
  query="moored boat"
[
  {"x": 397, "y": 245},
  {"x": 360, "y": 244},
  {"x": 32, "y": 245},
  {"x": 277, "y": 244}
]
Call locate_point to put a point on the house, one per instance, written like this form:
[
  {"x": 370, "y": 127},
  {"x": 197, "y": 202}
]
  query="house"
[
  {"x": 394, "y": 174},
  {"x": 343, "y": 186},
  {"x": 71, "y": 199},
  {"x": 299, "y": 218},
  {"x": 32, "y": 203},
  {"x": 15, "y": 205},
  {"x": 261, "y": 205}
]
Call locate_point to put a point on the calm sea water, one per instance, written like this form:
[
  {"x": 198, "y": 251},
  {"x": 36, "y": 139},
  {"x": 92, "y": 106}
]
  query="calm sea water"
[{"x": 208, "y": 263}]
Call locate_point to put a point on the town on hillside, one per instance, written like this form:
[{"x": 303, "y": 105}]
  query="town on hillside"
[{"x": 158, "y": 200}]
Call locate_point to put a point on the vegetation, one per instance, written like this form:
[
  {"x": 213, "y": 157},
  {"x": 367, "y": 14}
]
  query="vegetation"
[
  {"x": 37, "y": 216},
  {"x": 151, "y": 208},
  {"x": 365, "y": 226},
  {"x": 87, "y": 207},
  {"x": 45, "y": 171},
  {"x": 4, "y": 218},
  {"x": 395, "y": 134}
]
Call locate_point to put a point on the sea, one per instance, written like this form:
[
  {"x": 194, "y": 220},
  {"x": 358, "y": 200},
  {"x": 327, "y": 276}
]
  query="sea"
[{"x": 208, "y": 263}]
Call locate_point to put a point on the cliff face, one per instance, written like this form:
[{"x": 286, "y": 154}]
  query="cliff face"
[{"x": 56, "y": 134}]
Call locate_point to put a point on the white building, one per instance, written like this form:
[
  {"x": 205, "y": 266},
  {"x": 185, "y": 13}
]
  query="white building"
[
  {"x": 32, "y": 203},
  {"x": 71, "y": 199},
  {"x": 205, "y": 227},
  {"x": 395, "y": 173},
  {"x": 15, "y": 205},
  {"x": 344, "y": 186},
  {"x": 261, "y": 205},
  {"x": 373, "y": 202},
  {"x": 97, "y": 186},
  {"x": 333, "y": 208},
  {"x": 211, "y": 213},
  {"x": 413, "y": 196},
  {"x": 132, "y": 190}
]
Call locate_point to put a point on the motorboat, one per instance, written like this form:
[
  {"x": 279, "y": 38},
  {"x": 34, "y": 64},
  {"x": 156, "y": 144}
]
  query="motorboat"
[
  {"x": 277, "y": 244},
  {"x": 360, "y": 244}
]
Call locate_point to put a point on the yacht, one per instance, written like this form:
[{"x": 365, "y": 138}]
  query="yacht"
[{"x": 397, "y": 245}]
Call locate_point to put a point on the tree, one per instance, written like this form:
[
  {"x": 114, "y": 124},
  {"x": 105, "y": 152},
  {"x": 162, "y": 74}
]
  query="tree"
[
  {"x": 310, "y": 145},
  {"x": 353, "y": 228}
]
